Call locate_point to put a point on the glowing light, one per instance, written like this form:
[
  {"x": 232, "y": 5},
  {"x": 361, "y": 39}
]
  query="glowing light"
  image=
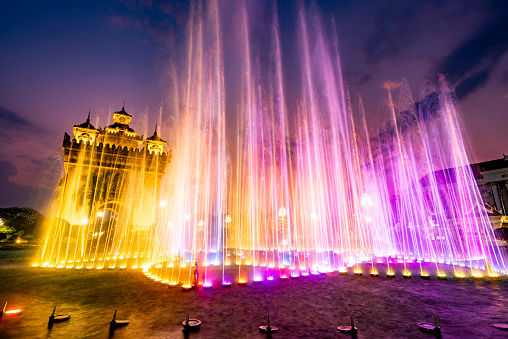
[
  {"x": 269, "y": 278},
  {"x": 343, "y": 270},
  {"x": 358, "y": 271},
  {"x": 228, "y": 218},
  {"x": 163, "y": 203},
  {"x": 84, "y": 221},
  {"x": 366, "y": 200},
  {"x": 100, "y": 214},
  {"x": 282, "y": 212},
  {"x": 201, "y": 223},
  {"x": 207, "y": 285},
  {"x": 406, "y": 274},
  {"x": 374, "y": 273},
  {"x": 13, "y": 312},
  {"x": 477, "y": 275},
  {"x": 493, "y": 275},
  {"x": 187, "y": 217},
  {"x": 390, "y": 274}
]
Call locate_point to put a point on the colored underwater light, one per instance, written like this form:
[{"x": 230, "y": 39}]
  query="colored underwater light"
[
  {"x": 358, "y": 271},
  {"x": 226, "y": 283},
  {"x": 441, "y": 276},
  {"x": 493, "y": 275},
  {"x": 477, "y": 275},
  {"x": 424, "y": 275},
  {"x": 283, "y": 276},
  {"x": 242, "y": 282},
  {"x": 374, "y": 273},
  {"x": 343, "y": 270},
  {"x": 460, "y": 275},
  {"x": 269, "y": 278},
  {"x": 390, "y": 274},
  {"x": 406, "y": 274},
  {"x": 13, "y": 312},
  {"x": 207, "y": 285},
  {"x": 173, "y": 284},
  {"x": 305, "y": 274}
]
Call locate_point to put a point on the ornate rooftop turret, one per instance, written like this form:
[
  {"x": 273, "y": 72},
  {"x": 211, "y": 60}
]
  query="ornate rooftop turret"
[
  {"x": 85, "y": 132},
  {"x": 155, "y": 143},
  {"x": 119, "y": 133}
]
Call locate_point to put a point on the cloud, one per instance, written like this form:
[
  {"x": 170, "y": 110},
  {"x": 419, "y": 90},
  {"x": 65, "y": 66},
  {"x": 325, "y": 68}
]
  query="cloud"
[
  {"x": 393, "y": 31},
  {"x": 25, "y": 147},
  {"x": 159, "y": 19},
  {"x": 13, "y": 119},
  {"x": 12, "y": 194},
  {"x": 473, "y": 82},
  {"x": 470, "y": 64}
]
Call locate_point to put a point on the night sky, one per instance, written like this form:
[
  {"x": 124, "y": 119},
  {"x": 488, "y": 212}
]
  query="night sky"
[{"x": 58, "y": 59}]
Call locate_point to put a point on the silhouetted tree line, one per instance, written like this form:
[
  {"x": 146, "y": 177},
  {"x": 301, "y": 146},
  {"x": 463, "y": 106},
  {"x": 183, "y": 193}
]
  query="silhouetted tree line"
[{"x": 22, "y": 222}]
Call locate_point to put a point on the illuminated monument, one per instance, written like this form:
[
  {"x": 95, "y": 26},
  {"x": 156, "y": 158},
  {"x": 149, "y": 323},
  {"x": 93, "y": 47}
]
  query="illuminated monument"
[{"x": 109, "y": 197}]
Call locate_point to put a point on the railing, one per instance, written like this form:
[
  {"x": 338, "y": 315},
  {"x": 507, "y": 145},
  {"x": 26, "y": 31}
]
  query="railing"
[{"x": 10, "y": 254}]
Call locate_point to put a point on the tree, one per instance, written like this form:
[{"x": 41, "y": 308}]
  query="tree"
[{"x": 23, "y": 221}]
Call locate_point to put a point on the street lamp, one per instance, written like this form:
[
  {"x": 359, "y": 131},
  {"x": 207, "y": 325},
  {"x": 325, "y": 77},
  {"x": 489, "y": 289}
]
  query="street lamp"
[
  {"x": 282, "y": 212},
  {"x": 366, "y": 200}
]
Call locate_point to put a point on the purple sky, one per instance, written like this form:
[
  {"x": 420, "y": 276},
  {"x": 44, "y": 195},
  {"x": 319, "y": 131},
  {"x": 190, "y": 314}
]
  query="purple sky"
[{"x": 61, "y": 58}]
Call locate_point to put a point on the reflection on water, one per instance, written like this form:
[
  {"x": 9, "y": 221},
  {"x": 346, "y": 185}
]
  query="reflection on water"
[{"x": 306, "y": 307}]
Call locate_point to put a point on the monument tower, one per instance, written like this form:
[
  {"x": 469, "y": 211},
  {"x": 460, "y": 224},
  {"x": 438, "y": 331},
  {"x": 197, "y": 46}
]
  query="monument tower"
[{"x": 108, "y": 199}]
